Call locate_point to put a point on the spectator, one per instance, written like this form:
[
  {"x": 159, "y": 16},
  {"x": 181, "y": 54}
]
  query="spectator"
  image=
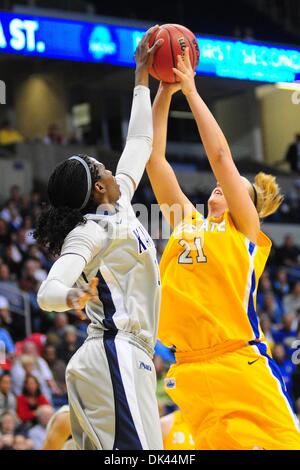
[
  {"x": 5, "y": 275},
  {"x": 291, "y": 302},
  {"x": 281, "y": 284},
  {"x": 39, "y": 340},
  {"x": 13, "y": 258},
  {"x": 8, "y": 423},
  {"x": 293, "y": 203},
  {"x": 60, "y": 323},
  {"x": 272, "y": 308},
  {"x": 37, "y": 367},
  {"x": 266, "y": 327},
  {"x": 265, "y": 288},
  {"x": 21, "y": 243},
  {"x": 33, "y": 275},
  {"x": 5, "y": 317},
  {"x": 287, "y": 332},
  {"x": 293, "y": 154},
  {"x": 12, "y": 216},
  {"x": 28, "y": 228},
  {"x": 19, "y": 442},
  {"x": 7, "y": 398},
  {"x": 288, "y": 254},
  {"x": 55, "y": 135},
  {"x": 285, "y": 366},
  {"x": 35, "y": 252},
  {"x": 5, "y": 235},
  {"x": 70, "y": 344},
  {"x": 8, "y": 344},
  {"x": 28, "y": 365},
  {"x": 30, "y": 400},
  {"x": 15, "y": 195},
  {"x": 38, "y": 433},
  {"x": 57, "y": 367},
  {"x": 8, "y": 135},
  {"x": 6, "y": 442}
]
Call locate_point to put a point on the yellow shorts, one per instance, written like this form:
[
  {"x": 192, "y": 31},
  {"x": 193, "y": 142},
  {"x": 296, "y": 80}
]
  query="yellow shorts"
[{"x": 235, "y": 401}]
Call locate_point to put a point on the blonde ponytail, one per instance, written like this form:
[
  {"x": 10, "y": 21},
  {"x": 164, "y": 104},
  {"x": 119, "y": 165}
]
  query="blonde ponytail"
[{"x": 268, "y": 197}]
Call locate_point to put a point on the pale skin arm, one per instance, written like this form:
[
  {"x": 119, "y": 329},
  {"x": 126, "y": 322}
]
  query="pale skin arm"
[
  {"x": 239, "y": 202},
  {"x": 59, "y": 432},
  {"x": 162, "y": 177}
]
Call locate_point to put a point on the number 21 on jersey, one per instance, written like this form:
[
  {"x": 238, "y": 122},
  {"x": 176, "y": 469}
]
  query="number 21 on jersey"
[{"x": 196, "y": 245}]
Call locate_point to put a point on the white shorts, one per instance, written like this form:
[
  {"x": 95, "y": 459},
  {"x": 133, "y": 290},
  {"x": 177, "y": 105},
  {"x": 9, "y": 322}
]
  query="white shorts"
[{"x": 111, "y": 385}]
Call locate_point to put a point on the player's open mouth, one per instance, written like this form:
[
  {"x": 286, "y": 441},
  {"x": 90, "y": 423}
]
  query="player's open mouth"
[{"x": 218, "y": 192}]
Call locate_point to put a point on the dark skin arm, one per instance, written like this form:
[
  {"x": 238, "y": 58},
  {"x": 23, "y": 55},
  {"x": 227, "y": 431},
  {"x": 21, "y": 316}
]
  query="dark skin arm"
[{"x": 78, "y": 297}]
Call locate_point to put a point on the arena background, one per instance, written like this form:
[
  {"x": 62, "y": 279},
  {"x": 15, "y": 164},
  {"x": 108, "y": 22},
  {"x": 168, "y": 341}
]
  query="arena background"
[{"x": 67, "y": 89}]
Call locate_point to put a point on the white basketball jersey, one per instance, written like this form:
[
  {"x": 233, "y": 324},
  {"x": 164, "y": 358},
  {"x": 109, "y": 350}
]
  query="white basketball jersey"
[{"x": 121, "y": 254}]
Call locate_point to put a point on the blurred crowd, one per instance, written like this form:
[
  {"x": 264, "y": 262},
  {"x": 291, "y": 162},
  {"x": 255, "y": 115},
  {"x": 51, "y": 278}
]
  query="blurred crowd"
[
  {"x": 32, "y": 373},
  {"x": 10, "y": 137}
]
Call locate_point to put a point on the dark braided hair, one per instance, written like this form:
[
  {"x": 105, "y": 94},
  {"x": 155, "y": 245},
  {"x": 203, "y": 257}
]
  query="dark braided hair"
[{"x": 67, "y": 189}]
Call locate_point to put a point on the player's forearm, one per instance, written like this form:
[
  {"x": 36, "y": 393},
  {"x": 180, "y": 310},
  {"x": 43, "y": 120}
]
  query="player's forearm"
[
  {"x": 160, "y": 112},
  {"x": 142, "y": 76},
  {"x": 212, "y": 137},
  {"x": 52, "y": 296},
  {"x": 140, "y": 136},
  {"x": 54, "y": 291}
]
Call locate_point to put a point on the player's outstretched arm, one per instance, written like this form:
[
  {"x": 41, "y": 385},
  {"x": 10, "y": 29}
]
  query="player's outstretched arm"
[
  {"x": 140, "y": 133},
  {"x": 241, "y": 207},
  {"x": 162, "y": 177},
  {"x": 57, "y": 294}
]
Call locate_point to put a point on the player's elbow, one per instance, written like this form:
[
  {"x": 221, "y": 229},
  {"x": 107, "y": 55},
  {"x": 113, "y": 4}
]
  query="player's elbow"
[
  {"x": 42, "y": 298},
  {"x": 220, "y": 155},
  {"x": 147, "y": 139}
]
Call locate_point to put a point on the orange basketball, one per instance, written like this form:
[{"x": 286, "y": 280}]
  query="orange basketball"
[{"x": 176, "y": 39}]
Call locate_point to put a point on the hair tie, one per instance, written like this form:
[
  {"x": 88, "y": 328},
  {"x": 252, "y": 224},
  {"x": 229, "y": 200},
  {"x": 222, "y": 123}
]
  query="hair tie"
[{"x": 88, "y": 177}]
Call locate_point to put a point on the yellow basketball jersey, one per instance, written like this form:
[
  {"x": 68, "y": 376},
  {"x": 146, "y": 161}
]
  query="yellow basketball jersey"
[
  {"x": 179, "y": 436},
  {"x": 210, "y": 273}
]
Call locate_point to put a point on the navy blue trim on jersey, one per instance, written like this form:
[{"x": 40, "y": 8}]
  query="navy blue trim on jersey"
[
  {"x": 252, "y": 315},
  {"x": 275, "y": 370},
  {"x": 126, "y": 436},
  {"x": 107, "y": 302}
]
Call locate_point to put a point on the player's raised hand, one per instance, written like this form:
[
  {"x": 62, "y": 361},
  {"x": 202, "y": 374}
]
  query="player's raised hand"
[
  {"x": 185, "y": 73},
  {"x": 77, "y": 298},
  {"x": 144, "y": 56},
  {"x": 169, "y": 88}
]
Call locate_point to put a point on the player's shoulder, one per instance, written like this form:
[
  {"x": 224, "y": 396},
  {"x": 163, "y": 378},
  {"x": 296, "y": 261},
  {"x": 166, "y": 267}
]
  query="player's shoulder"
[{"x": 90, "y": 229}]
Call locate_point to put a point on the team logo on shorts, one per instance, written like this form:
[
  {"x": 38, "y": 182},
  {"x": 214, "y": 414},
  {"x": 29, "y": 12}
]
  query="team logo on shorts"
[
  {"x": 144, "y": 366},
  {"x": 170, "y": 383}
]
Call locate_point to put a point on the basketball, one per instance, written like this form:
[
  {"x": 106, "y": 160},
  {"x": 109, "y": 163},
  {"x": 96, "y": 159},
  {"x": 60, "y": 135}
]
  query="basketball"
[{"x": 176, "y": 39}]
